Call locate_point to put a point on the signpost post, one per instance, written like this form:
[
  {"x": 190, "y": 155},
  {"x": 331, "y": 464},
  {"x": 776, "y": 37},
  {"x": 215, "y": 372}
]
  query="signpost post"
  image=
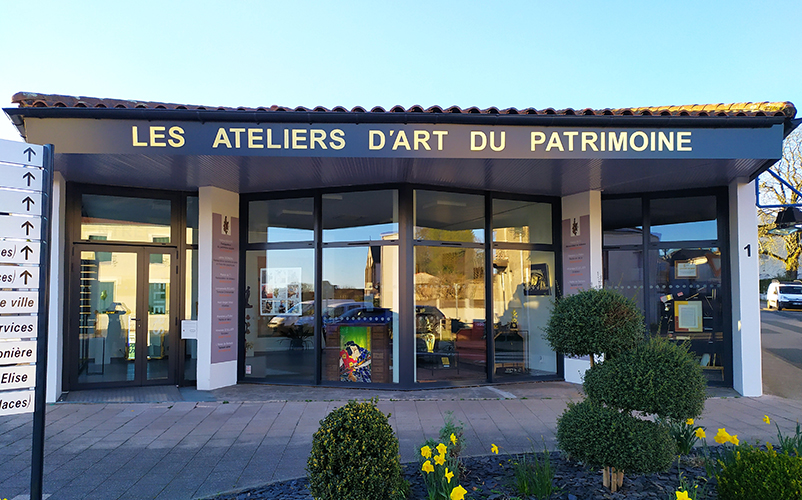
[{"x": 26, "y": 185}]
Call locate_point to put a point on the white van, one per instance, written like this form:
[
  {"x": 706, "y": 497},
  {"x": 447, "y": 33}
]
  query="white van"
[{"x": 780, "y": 295}]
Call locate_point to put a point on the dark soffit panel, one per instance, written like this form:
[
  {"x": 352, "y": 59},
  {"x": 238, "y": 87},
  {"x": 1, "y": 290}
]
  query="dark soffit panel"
[{"x": 541, "y": 177}]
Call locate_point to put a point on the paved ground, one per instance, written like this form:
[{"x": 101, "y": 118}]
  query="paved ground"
[
  {"x": 251, "y": 434},
  {"x": 782, "y": 352}
]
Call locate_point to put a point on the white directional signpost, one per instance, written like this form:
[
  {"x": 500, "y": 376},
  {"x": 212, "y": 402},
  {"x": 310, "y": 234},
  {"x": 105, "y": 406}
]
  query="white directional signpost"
[{"x": 26, "y": 185}]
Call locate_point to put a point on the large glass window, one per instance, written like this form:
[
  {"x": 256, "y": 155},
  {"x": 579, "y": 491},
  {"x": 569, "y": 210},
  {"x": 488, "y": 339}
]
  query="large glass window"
[
  {"x": 441, "y": 216},
  {"x": 679, "y": 283},
  {"x": 683, "y": 219},
  {"x": 354, "y": 316},
  {"x": 685, "y": 302},
  {"x": 122, "y": 218},
  {"x": 450, "y": 314},
  {"x": 280, "y": 315},
  {"x": 363, "y": 216},
  {"x": 523, "y": 291},
  {"x": 360, "y": 314},
  {"x": 279, "y": 221},
  {"x": 622, "y": 222},
  {"x": 522, "y": 222}
]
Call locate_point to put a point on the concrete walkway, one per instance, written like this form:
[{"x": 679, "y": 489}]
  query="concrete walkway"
[{"x": 198, "y": 444}]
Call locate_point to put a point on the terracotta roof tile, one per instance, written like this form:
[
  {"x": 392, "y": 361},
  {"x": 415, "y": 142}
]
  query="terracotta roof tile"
[{"x": 787, "y": 109}]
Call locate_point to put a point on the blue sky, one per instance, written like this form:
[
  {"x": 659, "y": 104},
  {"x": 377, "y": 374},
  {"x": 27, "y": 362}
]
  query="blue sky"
[{"x": 517, "y": 53}]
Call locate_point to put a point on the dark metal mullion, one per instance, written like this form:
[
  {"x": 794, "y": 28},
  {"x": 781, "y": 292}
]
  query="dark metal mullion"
[
  {"x": 647, "y": 224},
  {"x": 490, "y": 333},
  {"x": 318, "y": 242},
  {"x": 140, "y": 351},
  {"x": 556, "y": 238},
  {"x": 244, "y": 214},
  {"x": 406, "y": 289},
  {"x": 724, "y": 244}
]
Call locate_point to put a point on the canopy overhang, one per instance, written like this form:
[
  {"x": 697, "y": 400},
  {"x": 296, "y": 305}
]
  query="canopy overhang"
[{"x": 555, "y": 155}]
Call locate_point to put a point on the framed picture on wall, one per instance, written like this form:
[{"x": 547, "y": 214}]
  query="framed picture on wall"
[
  {"x": 688, "y": 316},
  {"x": 538, "y": 282},
  {"x": 685, "y": 269}
]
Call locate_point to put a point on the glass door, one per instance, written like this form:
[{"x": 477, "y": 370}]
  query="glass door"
[{"x": 124, "y": 322}]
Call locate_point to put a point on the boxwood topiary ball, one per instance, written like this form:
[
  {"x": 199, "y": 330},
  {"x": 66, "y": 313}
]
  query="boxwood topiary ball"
[
  {"x": 594, "y": 322},
  {"x": 602, "y": 436},
  {"x": 355, "y": 456},
  {"x": 656, "y": 377}
]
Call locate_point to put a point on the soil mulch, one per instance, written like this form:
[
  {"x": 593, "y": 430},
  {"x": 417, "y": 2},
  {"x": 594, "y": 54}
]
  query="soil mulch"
[{"x": 491, "y": 478}]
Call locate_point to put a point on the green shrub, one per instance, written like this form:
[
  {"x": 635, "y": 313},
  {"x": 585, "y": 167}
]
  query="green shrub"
[
  {"x": 355, "y": 456},
  {"x": 594, "y": 322},
  {"x": 656, "y": 377},
  {"x": 601, "y": 436},
  {"x": 761, "y": 474}
]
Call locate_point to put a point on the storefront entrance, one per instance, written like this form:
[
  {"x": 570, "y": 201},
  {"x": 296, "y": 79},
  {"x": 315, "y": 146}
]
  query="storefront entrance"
[{"x": 123, "y": 318}]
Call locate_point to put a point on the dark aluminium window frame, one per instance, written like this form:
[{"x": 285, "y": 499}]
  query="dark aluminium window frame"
[
  {"x": 722, "y": 242},
  {"x": 406, "y": 270},
  {"x": 178, "y": 243}
]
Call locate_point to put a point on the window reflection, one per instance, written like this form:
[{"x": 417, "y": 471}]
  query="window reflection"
[
  {"x": 280, "y": 315},
  {"x": 121, "y": 218},
  {"x": 688, "y": 219},
  {"x": 686, "y": 303},
  {"x": 360, "y": 314},
  {"x": 441, "y": 216},
  {"x": 278, "y": 221},
  {"x": 523, "y": 290},
  {"x": 362, "y": 216},
  {"x": 622, "y": 222},
  {"x": 521, "y": 221},
  {"x": 450, "y": 314}
]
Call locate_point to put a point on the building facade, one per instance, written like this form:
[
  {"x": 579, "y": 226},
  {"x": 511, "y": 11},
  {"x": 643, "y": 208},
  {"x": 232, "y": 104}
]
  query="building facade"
[{"x": 400, "y": 248}]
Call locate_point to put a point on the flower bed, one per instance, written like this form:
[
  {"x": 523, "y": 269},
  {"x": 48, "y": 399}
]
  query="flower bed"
[{"x": 491, "y": 477}]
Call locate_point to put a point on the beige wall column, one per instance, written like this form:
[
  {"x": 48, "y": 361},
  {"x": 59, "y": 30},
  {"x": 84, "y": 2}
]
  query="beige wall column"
[
  {"x": 213, "y": 374},
  {"x": 747, "y": 366},
  {"x": 55, "y": 321},
  {"x": 582, "y": 257}
]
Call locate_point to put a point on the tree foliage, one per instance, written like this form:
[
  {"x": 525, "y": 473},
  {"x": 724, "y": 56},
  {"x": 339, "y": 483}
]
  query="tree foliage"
[{"x": 787, "y": 249}]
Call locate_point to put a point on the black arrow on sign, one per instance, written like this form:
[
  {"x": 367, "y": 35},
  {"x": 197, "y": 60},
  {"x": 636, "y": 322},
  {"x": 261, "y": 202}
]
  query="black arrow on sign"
[
  {"x": 28, "y": 226},
  {"x": 27, "y": 251},
  {"x": 30, "y": 152},
  {"x": 26, "y": 275},
  {"x": 28, "y": 200},
  {"x": 30, "y": 178}
]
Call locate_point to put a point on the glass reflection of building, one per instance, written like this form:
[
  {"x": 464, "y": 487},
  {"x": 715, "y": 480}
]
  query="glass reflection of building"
[
  {"x": 346, "y": 320},
  {"x": 679, "y": 286}
]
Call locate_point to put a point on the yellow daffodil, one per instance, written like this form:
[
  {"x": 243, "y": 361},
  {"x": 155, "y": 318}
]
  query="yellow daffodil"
[
  {"x": 441, "y": 449},
  {"x": 766, "y": 419},
  {"x": 440, "y": 459},
  {"x": 426, "y": 452},
  {"x": 734, "y": 440},
  {"x": 700, "y": 433},
  {"x": 458, "y": 493},
  {"x": 722, "y": 436},
  {"x": 683, "y": 495},
  {"x": 453, "y": 439},
  {"x": 449, "y": 475},
  {"x": 494, "y": 448},
  {"x": 689, "y": 421},
  {"x": 427, "y": 467}
]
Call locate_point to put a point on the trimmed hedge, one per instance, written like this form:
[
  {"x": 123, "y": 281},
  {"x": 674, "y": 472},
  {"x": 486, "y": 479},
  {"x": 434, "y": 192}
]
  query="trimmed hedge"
[
  {"x": 602, "y": 436},
  {"x": 594, "y": 322},
  {"x": 757, "y": 474},
  {"x": 656, "y": 377}
]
